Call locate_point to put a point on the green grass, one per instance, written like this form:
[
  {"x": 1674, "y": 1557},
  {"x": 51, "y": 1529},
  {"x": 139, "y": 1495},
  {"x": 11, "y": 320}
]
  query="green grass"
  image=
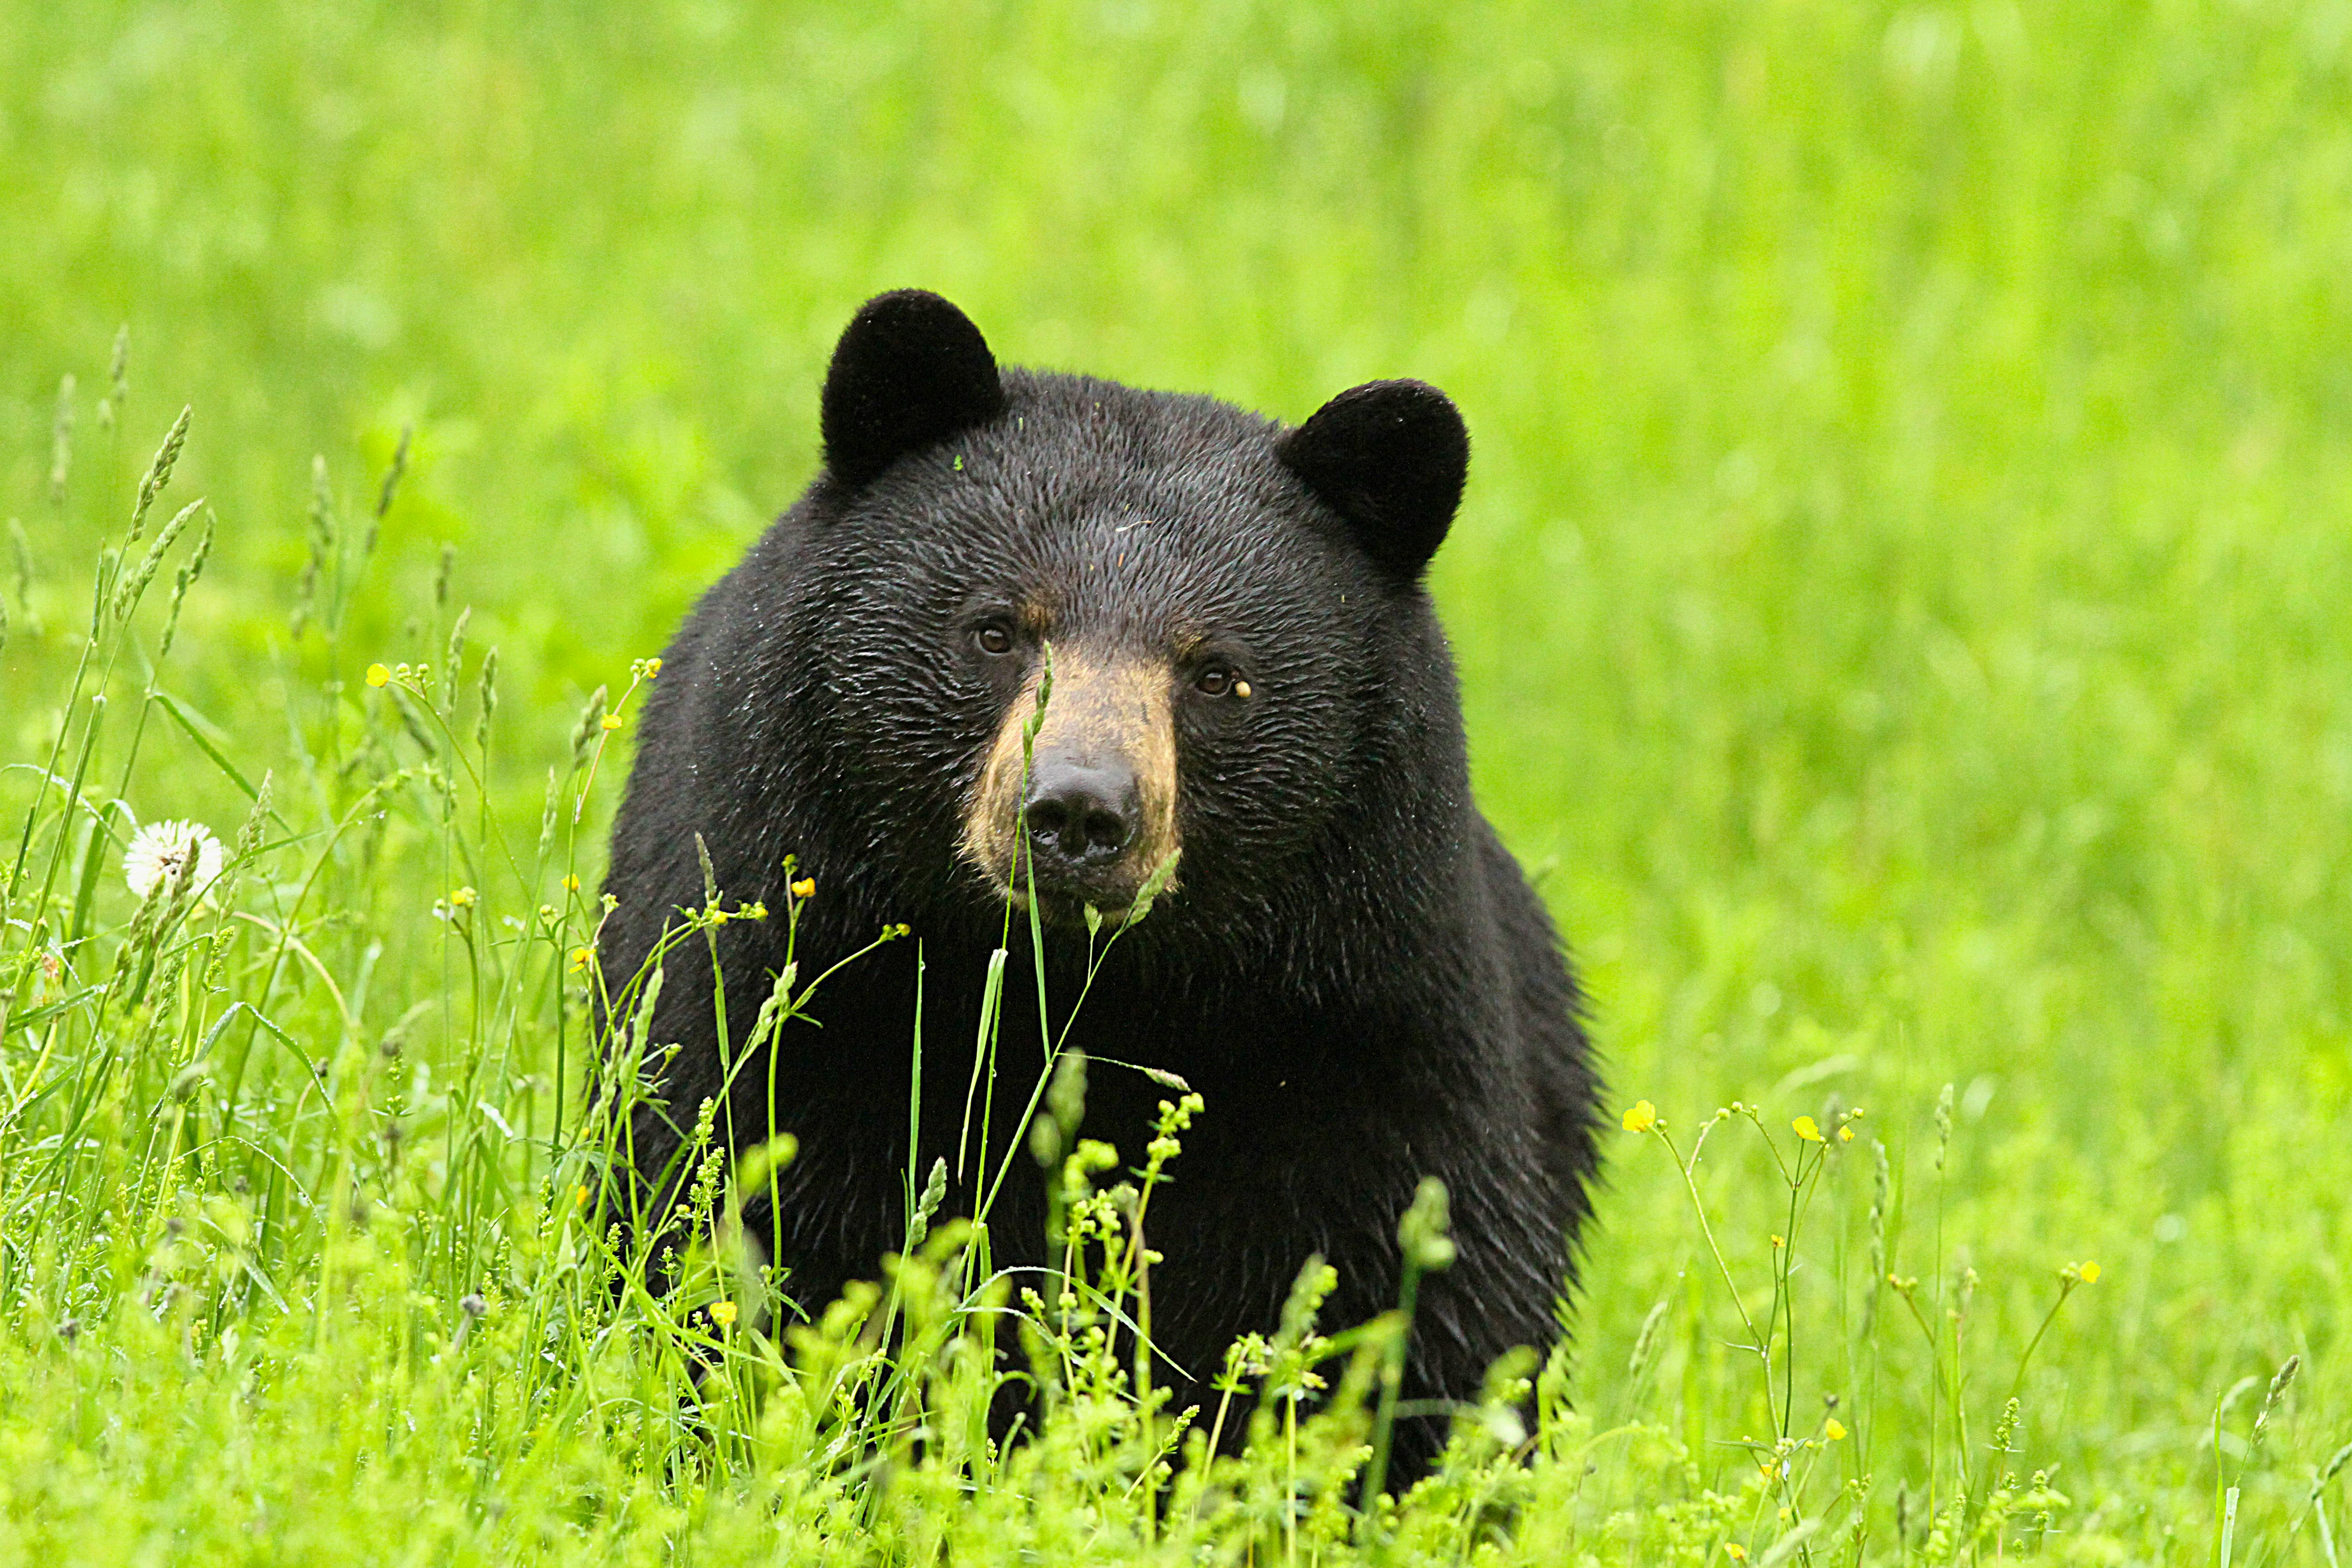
[{"x": 1900, "y": 602}]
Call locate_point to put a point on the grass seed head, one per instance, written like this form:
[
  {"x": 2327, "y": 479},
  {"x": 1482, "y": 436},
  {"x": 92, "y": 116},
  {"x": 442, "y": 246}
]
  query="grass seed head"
[
  {"x": 159, "y": 474},
  {"x": 118, "y": 375},
  {"x": 590, "y": 727},
  {"x": 61, "y": 441}
]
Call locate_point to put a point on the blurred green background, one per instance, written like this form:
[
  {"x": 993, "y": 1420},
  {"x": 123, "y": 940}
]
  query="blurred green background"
[{"x": 1900, "y": 598}]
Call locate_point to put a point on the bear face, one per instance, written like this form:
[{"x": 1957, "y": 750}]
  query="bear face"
[{"x": 1200, "y": 660}]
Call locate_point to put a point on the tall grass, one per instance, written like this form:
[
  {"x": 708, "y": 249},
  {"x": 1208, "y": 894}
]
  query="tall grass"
[{"x": 316, "y": 1229}]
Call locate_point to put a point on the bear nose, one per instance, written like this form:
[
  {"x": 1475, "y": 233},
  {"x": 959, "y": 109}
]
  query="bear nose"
[{"x": 1083, "y": 815}]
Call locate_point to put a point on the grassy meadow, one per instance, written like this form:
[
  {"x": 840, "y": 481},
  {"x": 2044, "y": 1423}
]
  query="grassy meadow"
[{"x": 1901, "y": 602}]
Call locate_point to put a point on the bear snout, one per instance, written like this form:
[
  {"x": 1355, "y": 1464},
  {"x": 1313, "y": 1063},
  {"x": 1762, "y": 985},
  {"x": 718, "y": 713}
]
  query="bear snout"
[{"x": 1093, "y": 790}]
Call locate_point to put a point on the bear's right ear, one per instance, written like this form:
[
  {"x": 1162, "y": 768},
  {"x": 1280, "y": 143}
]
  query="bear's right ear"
[
  {"x": 1390, "y": 458},
  {"x": 910, "y": 369}
]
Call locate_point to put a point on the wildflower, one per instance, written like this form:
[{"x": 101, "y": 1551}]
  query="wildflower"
[
  {"x": 1807, "y": 1129},
  {"x": 1736, "y": 1552},
  {"x": 806, "y": 888},
  {"x": 547, "y": 913},
  {"x": 612, "y": 720},
  {"x": 1845, "y": 1134},
  {"x": 754, "y": 911},
  {"x": 579, "y": 1196},
  {"x": 2088, "y": 1273},
  {"x": 463, "y": 897},
  {"x": 1778, "y": 1242},
  {"x": 580, "y": 957},
  {"x": 723, "y": 1313},
  {"x": 1833, "y": 1429},
  {"x": 159, "y": 850},
  {"x": 378, "y": 675},
  {"x": 571, "y": 884},
  {"x": 1642, "y": 1118}
]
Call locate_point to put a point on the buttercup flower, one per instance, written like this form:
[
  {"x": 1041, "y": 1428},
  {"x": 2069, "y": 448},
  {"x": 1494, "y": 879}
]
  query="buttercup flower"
[
  {"x": 160, "y": 849},
  {"x": 723, "y": 1313},
  {"x": 580, "y": 957},
  {"x": 806, "y": 888},
  {"x": 377, "y": 675},
  {"x": 1807, "y": 1129},
  {"x": 463, "y": 897},
  {"x": 1642, "y": 1118},
  {"x": 1833, "y": 1429}
]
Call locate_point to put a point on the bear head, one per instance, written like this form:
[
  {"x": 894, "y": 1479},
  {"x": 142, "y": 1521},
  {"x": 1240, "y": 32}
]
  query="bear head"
[{"x": 1053, "y": 636}]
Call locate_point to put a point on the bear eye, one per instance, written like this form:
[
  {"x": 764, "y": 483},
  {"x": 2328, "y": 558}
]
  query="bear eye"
[
  {"x": 1213, "y": 681},
  {"x": 992, "y": 639}
]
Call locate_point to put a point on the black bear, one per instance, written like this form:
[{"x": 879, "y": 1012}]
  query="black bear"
[{"x": 1247, "y": 676}]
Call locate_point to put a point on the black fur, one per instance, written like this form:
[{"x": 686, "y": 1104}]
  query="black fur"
[
  {"x": 1354, "y": 973},
  {"x": 1390, "y": 457},
  {"x": 910, "y": 369}
]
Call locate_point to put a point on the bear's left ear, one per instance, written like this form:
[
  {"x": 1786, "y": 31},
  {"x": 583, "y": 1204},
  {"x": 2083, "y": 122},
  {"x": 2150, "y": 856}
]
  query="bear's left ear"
[
  {"x": 910, "y": 369},
  {"x": 1390, "y": 457}
]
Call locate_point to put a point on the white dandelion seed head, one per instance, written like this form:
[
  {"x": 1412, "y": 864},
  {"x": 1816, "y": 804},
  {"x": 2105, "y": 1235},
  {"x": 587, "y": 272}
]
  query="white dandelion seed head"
[{"x": 160, "y": 849}]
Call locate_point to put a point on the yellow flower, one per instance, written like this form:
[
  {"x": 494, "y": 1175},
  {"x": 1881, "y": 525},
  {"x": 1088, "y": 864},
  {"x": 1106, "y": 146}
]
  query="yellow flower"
[
  {"x": 1779, "y": 1241},
  {"x": 1736, "y": 1552},
  {"x": 1845, "y": 1134},
  {"x": 652, "y": 668},
  {"x": 378, "y": 675},
  {"x": 722, "y": 1313},
  {"x": 806, "y": 888},
  {"x": 2090, "y": 1273},
  {"x": 463, "y": 897},
  {"x": 612, "y": 720},
  {"x": 579, "y": 1196},
  {"x": 1642, "y": 1118},
  {"x": 1833, "y": 1429},
  {"x": 571, "y": 884},
  {"x": 1807, "y": 1130},
  {"x": 580, "y": 957}
]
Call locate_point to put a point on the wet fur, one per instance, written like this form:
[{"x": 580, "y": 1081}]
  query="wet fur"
[{"x": 1355, "y": 974}]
